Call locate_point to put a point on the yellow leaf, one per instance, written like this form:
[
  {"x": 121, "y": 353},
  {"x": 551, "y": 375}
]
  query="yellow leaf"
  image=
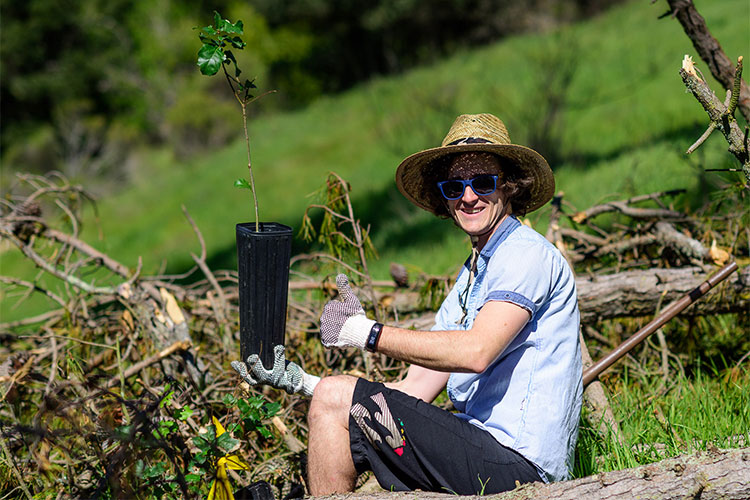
[
  {"x": 219, "y": 428},
  {"x": 719, "y": 256},
  {"x": 234, "y": 462},
  {"x": 173, "y": 310},
  {"x": 221, "y": 489}
]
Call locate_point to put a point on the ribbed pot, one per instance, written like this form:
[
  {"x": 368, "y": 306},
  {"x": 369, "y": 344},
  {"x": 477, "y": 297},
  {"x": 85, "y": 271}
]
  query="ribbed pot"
[{"x": 263, "y": 265}]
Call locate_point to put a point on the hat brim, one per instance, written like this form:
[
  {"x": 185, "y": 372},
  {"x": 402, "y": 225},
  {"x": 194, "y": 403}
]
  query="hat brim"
[{"x": 410, "y": 173}]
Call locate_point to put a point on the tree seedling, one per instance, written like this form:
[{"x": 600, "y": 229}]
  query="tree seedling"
[{"x": 218, "y": 41}]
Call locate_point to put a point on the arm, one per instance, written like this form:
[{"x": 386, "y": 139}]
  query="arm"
[
  {"x": 496, "y": 325},
  {"x": 421, "y": 383},
  {"x": 344, "y": 324}
]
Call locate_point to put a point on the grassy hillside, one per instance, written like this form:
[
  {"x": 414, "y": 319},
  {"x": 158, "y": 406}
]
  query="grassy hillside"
[{"x": 623, "y": 126}]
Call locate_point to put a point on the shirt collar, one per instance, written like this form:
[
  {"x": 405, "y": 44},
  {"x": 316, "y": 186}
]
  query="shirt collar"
[{"x": 501, "y": 233}]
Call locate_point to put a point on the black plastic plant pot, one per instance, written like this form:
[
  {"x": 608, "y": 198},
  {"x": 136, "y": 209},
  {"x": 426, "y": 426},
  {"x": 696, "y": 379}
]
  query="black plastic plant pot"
[{"x": 263, "y": 265}]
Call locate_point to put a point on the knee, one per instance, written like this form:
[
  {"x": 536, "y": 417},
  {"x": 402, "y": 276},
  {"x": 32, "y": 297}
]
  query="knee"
[{"x": 332, "y": 398}]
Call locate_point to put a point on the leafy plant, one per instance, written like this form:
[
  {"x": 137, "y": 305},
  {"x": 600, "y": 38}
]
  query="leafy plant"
[{"x": 219, "y": 39}]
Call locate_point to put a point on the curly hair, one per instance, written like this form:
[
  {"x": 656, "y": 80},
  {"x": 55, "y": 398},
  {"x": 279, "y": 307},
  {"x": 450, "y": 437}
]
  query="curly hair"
[{"x": 516, "y": 186}]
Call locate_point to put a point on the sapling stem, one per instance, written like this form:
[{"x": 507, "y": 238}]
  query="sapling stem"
[{"x": 249, "y": 163}]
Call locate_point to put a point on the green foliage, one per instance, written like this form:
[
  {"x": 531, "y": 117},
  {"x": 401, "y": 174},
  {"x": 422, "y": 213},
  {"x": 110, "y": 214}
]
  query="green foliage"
[
  {"x": 690, "y": 414},
  {"x": 432, "y": 293},
  {"x": 338, "y": 231},
  {"x": 214, "y": 52},
  {"x": 254, "y": 412}
]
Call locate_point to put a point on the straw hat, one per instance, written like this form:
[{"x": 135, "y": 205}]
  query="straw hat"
[{"x": 485, "y": 133}]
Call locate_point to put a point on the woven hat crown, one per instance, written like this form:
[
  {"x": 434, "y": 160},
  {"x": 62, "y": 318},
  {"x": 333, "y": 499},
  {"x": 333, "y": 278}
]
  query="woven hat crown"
[{"x": 483, "y": 126}]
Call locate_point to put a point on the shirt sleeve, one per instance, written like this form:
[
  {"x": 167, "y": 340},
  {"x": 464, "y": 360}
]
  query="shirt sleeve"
[{"x": 521, "y": 274}]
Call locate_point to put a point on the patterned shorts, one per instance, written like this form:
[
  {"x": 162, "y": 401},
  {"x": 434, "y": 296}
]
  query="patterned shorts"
[{"x": 410, "y": 444}]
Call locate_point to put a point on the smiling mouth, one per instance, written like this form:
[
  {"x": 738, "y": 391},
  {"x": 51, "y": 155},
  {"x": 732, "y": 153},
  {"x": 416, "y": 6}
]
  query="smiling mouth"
[{"x": 472, "y": 211}]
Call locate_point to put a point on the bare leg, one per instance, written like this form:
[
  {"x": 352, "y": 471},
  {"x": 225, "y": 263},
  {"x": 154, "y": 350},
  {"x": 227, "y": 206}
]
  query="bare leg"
[{"x": 330, "y": 468}]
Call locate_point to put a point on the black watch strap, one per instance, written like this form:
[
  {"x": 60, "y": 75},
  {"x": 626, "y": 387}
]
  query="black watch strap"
[{"x": 372, "y": 339}]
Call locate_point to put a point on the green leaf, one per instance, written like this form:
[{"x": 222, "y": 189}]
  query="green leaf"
[
  {"x": 265, "y": 432},
  {"x": 229, "y": 400},
  {"x": 192, "y": 478},
  {"x": 167, "y": 426},
  {"x": 234, "y": 28},
  {"x": 226, "y": 442},
  {"x": 124, "y": 431},
  {"x": 272, "y": 409},
  {"x": 237, "y": 42},
  {"x": 210, "y": 59},
  {"x": 201, "y": 457},
  {"x": 242, "y": 183},
  {"x": 139, "y": 468},
  {"x": 184, "y": 413},
  {"x": 243, "y": 406},
  {"x": 167, "y": 399}
]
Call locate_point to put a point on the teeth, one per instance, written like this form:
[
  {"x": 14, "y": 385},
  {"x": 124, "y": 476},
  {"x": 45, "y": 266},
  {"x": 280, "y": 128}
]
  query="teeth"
[{"x": 473, "y": 211}]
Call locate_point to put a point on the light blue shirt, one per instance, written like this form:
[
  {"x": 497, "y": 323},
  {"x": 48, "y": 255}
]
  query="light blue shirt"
[{"x": 530, "y": 397}]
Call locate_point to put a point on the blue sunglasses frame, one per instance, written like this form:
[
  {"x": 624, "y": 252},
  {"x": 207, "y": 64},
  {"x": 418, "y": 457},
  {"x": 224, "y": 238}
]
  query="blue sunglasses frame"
[{"x": 469, "y": 182}]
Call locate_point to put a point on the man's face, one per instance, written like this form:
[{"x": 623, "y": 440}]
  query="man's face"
[{"x": 477, "y": 215}]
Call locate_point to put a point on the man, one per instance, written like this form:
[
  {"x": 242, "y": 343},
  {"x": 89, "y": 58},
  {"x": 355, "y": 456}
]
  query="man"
[{"x": 505, "y": 343}]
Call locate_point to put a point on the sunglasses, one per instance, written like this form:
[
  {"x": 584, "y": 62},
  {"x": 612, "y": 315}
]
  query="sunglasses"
[{"x": 482, "y": 185}]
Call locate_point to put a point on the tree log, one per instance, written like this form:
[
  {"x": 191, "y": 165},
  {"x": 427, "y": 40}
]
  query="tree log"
[
  {"x": 706, "y": 475},
  {"x": 638, "y": 293},
  {"x": 627, "y": 294}
]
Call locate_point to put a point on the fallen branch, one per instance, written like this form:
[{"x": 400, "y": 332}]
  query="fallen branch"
[
  {"x": 182, "y": 345},
  {"x": 624, "y": 207}
]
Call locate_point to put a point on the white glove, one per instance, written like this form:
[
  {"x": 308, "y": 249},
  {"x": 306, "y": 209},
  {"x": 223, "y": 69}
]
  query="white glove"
[
  {"x": 343, "y": 322},
  {"x": 284, "y": 375}
]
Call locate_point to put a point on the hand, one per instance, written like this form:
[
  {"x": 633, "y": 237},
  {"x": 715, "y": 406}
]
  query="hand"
[
  {"x": 284, "y": 375},
  {"x": 343, "y": 322}
]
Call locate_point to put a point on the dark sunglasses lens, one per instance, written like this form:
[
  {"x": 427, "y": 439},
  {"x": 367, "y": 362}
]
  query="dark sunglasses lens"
[
  {"x": 453, "y": 189},
  {"x": 483, "y": 184}
]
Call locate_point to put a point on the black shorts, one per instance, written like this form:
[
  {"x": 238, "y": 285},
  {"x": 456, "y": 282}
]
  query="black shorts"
[{"x": 410, "y": 444}]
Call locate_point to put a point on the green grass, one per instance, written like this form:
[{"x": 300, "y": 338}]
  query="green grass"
[
  {"x": 623, "y": 130},
  {"x": 696, "y": 413}
]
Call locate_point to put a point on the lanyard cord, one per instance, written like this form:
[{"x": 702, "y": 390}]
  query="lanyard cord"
[{"x": 463, "y": 297}]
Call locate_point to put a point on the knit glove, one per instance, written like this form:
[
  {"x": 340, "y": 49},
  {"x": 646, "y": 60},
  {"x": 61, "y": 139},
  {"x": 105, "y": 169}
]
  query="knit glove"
[
  {"x": 284, "y": 375},
  {"x": 343, "y": 322}
]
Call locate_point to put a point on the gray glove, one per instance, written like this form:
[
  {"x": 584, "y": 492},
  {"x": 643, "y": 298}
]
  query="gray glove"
[
  {"x": 284, "y": 375},
  {"x": 343, "y": 322}
]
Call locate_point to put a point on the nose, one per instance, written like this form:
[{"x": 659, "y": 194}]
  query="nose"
[{"x": 469, "y": 195}]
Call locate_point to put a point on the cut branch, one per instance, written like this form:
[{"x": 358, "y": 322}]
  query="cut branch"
[
  {"x": 710, "y": 51},
  {"x": 718, "y": 112}
]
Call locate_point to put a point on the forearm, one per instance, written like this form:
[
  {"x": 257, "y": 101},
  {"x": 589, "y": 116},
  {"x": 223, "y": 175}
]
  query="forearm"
[
  {"x": 445, "y": 351},
  {"x": 344, "y": 324},
  {"x": 421, "y": 383}
]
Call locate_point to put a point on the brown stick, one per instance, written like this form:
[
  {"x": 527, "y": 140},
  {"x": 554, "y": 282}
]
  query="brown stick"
[
  {"x": 668, "y": 313},
  {"x": 181, "y": 345},
  {"x": 635, "y": 212}
]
